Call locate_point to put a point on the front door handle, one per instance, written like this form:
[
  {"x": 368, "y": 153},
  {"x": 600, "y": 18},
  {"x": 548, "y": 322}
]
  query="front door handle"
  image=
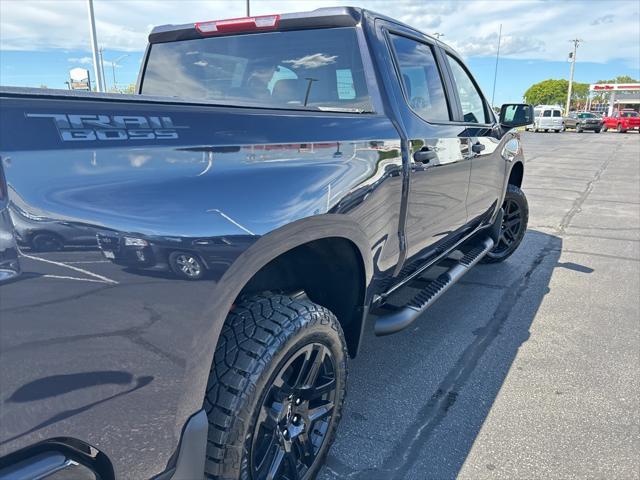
[
  {"x": 477, "y": 147},
  {"x": 424, "y": 155}
]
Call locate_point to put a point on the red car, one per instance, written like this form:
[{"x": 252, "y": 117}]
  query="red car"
[{"x": 622, "y": 121}]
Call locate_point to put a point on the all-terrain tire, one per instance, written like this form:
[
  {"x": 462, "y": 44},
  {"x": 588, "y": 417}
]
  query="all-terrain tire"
[
  {"x": 513, "y": 197},
  {"x": 260, "y": 335}
]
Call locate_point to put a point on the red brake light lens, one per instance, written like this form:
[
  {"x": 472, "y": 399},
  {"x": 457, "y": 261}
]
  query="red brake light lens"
[{"x": 264, "y": 22}]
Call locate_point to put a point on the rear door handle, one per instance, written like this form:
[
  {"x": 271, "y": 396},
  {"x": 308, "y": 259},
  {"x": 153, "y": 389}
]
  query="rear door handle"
[
  {"x": 424, "y": 155},
  {"x": 477, "y": 147}
]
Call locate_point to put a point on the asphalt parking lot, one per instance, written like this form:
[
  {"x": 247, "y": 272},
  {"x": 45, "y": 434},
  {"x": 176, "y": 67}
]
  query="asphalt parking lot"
[{"x": 526, "y": 369}]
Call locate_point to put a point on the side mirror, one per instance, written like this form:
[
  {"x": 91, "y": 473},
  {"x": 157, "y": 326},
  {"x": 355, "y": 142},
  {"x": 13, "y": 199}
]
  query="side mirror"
[{"x": 516, "y": 115}]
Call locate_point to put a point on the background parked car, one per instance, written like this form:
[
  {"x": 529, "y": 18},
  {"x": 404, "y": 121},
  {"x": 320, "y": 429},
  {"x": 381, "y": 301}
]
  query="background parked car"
[
  {"x": 581, "y": 121},
  {"x": 622, "y": 121},
  {"x": 547, "y": 117}
]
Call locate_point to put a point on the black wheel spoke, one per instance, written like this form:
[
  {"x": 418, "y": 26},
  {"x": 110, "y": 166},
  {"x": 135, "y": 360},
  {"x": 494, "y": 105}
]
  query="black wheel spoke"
[
  {"x": 293, "y": 420},
  {"x": 320, "y": 412},
  {"x": 292, "y": 467},
  {"x": 276, "y": 464},
  {"x": 306, "y": 449},
  {"x": 312, "y": 365},
  {"x": 317, "y": 392},
  {"x": 269, "y": 415}
]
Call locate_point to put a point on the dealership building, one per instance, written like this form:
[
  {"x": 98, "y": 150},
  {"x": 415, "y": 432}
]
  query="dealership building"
[{"x": 609, "y": 97}]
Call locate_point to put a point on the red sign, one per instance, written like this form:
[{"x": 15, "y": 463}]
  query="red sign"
[{"x": 615, "y": 86}]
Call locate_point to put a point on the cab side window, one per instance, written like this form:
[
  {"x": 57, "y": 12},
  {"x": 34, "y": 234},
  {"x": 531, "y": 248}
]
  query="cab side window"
[
  {"x": 557, "y": 113},
  {"x": 473, "y": 106},
  {"x": 421, "y": 79}
]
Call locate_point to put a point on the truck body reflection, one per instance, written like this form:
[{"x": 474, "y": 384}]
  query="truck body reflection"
[{"x": 186, "y": 258}]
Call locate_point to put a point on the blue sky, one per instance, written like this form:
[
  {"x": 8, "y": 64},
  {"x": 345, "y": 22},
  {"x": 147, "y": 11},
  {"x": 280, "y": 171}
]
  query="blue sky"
[{"x": 40, "y": 40}]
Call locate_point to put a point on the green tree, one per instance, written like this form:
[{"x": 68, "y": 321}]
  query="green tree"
[
  {"x": 554, "y": 92},
  {"x": 620, "y": 79},
  {"x": 547, "y": 92}
]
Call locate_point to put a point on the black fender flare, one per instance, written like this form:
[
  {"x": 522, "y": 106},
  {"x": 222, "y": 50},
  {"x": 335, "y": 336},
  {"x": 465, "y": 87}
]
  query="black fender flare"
[{"x": 268, "y": 247}]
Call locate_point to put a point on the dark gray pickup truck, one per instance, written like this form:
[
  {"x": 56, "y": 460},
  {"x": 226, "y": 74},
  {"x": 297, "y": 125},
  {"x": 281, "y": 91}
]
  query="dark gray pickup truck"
[{"x": 184, "y": 272}]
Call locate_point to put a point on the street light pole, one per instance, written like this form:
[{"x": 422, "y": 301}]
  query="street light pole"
[
  {"x": 248, "y": 9},
  {"x": 576, "y": 42},
  {"x": 94, "y": 49},
  {"x": 495, "y": 73}
]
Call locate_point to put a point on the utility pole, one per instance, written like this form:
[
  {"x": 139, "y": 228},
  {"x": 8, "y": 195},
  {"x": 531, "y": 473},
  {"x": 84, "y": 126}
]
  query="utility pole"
[
  {"x": 94, "y": 49},
  {"x": 114, "y": 64},
  {"x": 495, "y": 73},
  {"x": 248, "y": 9},
  {"x": 576, "y": 42},
  {"x": 104, "y": 77}
]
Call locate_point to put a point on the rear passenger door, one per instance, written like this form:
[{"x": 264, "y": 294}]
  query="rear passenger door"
[
  {"x": 481, "y": 129},
  {"x": 439, "y": 155}
]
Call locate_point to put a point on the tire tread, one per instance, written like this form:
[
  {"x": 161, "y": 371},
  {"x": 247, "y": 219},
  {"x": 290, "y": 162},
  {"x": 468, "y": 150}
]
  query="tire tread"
[{"x": 254, "y": 332}]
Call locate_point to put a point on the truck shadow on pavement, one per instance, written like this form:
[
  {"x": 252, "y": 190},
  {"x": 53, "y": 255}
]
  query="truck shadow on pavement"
[{"x": 417, "y": 400}]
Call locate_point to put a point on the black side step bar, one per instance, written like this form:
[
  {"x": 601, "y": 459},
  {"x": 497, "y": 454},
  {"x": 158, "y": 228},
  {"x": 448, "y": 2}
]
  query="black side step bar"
[{"x": 404, "y": 316}]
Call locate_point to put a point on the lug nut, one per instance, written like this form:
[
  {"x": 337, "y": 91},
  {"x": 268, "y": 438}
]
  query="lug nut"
[
  {"x": 296, "y": 419},
  {"x": 298, "y": 401},
  {"x": 285, "y": 433}
]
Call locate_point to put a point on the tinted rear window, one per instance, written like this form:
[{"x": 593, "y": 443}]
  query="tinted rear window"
[
  {"x": 306, "y": 69},
  {"x": 557, "y": 113}
]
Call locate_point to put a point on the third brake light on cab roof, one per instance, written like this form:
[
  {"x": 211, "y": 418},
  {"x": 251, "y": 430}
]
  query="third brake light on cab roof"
[{"x": 243, "y": 24}]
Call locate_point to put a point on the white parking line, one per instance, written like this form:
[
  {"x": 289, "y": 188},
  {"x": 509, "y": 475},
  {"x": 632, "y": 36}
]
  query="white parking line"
[
  {"x": 89, "y": 261},
  {"x": 65, "y": 265},
  {"x": 62, "y": 277}
]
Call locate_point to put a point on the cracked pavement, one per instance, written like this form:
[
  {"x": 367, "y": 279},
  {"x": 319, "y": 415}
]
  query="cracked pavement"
[{"x": 526, "y": 369}]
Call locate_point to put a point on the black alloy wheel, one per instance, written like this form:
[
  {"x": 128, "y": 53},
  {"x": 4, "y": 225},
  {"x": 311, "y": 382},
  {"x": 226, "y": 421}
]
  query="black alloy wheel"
[
  {"x": 295, "y": 415},
  {"x": 276, "y": 390},
  {"x": 514, "y": 225}
]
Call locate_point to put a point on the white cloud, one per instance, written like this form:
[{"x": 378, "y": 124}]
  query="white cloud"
[
  {"x": 81, "y": 60},
  {"x": 532, "y": 29},
  {"x": 312, "y": 61}
]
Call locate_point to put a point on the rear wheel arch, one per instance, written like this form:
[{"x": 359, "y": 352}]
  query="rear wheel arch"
[
  {"x": 330, "y": 271},
  {"x": 274, "y": 249}
]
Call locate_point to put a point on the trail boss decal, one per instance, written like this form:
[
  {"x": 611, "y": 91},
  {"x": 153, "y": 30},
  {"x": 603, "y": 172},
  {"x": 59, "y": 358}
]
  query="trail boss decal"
[{"x": 74, "y": 128}]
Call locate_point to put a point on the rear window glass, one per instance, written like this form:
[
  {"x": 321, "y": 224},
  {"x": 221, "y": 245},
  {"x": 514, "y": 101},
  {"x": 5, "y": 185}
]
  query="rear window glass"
[
  {"x": 629, "y": 114},
  {"x": 305, "y": 69},
  {"x": 586, "y": 115},
  {"x": 557, "y": 113}
]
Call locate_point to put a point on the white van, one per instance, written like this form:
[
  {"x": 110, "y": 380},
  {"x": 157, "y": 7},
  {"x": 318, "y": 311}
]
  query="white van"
[{"x": 547, "y": 117}]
